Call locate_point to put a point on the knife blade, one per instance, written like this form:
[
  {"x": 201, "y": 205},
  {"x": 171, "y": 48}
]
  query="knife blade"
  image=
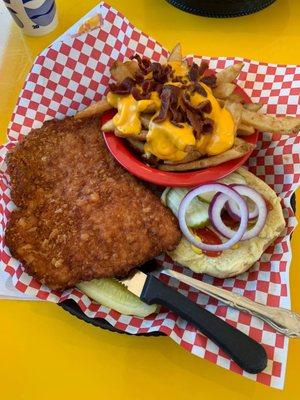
[{"x": 246, "y": 352}]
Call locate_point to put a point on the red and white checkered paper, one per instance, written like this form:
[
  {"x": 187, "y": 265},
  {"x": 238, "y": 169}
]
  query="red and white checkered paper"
[{"x": 72, "y": 73}]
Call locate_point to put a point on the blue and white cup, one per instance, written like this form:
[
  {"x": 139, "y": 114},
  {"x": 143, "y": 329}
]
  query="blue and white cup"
[{"x": 34, "y": 17}]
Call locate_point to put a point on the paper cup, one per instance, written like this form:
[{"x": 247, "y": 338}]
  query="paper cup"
[{"x": 34, "y": 17}]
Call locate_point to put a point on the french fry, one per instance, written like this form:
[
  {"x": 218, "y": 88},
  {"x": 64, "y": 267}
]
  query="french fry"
[
  {"x": 119, "y": 71},
  {"x": 97, "y": 108},
  {"x": 253, "y": 106},
  {"x": 145, "y": 120},
  {"x": 245, "y": 130},
  {"x": 269, "y": 123},
  {"x": 235, "y": 110},
  {"x": 224, "y": 90},
  {"x": 137, "y": 145},
  {"x": 233, "y": 97},
  {"x": 189, "y": 148},
  {"x": 109, "y": 126},
  {"x": 151, "y": 160},
  {"x": 176, "y": 54},
  {"x": 236, "y": 98},
  {"x": 132, "y": 66},
  {"x": 191, "y": 156},
  {"x": 151, "y": 109},
  {"x": 221, "y": 101},
  {"x": 229, "y": 74},
  {"x": 239, "y": 149},
  {"x": 142, "y": 136}
]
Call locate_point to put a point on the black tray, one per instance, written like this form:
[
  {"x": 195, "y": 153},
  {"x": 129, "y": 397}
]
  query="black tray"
[{"x": 74, "y": 309}]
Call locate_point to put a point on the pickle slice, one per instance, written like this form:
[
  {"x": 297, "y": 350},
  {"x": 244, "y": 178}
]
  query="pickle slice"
[
  {"x": 197, "y": 213},
  {"x": 113, "y": 294}
]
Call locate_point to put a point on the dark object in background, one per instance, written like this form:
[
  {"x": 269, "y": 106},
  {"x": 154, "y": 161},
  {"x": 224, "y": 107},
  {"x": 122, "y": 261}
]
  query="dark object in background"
[{"x": 221, "y": 8}]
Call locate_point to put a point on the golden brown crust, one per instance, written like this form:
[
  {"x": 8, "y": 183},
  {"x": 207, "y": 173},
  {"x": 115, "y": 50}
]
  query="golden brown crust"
[{"x": 81, "y": 216}]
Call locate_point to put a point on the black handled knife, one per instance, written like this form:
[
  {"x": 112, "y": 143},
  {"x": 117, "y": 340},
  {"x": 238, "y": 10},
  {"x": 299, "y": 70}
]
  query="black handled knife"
[{"x": 246, "y": 352}]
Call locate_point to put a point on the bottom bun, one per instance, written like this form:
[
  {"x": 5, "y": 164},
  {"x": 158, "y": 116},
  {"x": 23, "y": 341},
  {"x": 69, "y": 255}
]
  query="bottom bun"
[{"x": 239, "y": 259}]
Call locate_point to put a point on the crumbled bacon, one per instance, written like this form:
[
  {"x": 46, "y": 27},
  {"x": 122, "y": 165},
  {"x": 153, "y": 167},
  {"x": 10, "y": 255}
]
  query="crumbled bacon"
[
  {"x": 136, "y": 93},
  {"x": 199, "y": 89},
  {"x": 159, "y": 87},
  {"x": 209, "y": 81},
  {"x": 197, "y": 71},
  {"x": 139, "y": 76},
  {"x": 203, "y": 67},
  {"x": 186, "y": 99},
  {"x": 123, "y": 87},
  {"x": 165, "y": 98},
  {"x": 199, "y": 125},
  {"x": 175, "y": 100},
  {"x": 160, "y": 72},
  {"x": 144, "y": 63},
  {"x": 194, "y": 72},
  {"x": 148, "y": 86},
  {"x": 207, "y": 125},
  {"x": 178, "y": 115},
  {"x": 179, "y": 79},
  {"x": 204, "y": 106},
  {"x": 196, "y": 122},
  {"x": 169, "y": 100}
]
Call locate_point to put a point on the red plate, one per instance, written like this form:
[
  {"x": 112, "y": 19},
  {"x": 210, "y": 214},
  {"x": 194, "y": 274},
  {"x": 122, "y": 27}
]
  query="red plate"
[{"x": 126, "y": 157}]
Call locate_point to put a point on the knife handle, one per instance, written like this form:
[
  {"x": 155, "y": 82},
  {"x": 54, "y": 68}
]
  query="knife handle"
[{"x": 246, "y": 352}]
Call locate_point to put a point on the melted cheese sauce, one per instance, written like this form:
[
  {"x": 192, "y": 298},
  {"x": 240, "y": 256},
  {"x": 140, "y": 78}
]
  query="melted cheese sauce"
[
  {"x": 179, "y": 68},
  {"x": 168, "y": 142},
  {"x": 222, "y": 137},
  {"x": 127, "y": 119}
]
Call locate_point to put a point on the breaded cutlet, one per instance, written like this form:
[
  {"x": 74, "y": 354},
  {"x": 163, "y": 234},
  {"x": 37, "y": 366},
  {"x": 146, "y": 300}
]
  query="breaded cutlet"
[{"x": 80, "y": 214}]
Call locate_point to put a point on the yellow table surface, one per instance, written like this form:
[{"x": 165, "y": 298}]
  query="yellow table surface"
[{"x": 48, "y": 354}]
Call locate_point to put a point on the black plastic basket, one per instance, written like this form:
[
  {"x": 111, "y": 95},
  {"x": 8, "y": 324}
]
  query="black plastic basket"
[{"x": 221, "y": 8}]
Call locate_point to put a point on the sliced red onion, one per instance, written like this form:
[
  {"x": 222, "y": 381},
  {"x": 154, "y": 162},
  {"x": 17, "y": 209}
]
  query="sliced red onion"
[
  {"x": 232, "y": 207},
  {"x": 215, "y": 214},
  {"x": 218, "y": 203},
  {"x": 228, "y": 193}
]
